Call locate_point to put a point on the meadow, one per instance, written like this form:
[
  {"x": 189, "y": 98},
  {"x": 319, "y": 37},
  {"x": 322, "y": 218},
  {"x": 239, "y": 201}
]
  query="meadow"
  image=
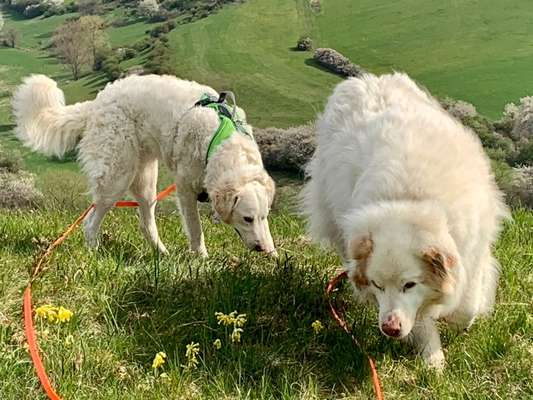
[{"x": 130, "y": 303}]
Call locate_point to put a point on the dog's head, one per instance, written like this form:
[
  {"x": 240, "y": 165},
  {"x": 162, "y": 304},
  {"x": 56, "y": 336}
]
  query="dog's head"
[
  {"x": 405, "y": 263},
  {"x": 246, "y": 206}
]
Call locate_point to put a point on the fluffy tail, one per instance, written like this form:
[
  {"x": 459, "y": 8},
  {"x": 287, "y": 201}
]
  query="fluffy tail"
[{"x": 44, "y": 122}]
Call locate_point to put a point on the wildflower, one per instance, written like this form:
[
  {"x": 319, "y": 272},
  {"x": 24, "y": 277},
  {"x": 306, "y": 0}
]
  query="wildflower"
[
  {"x": 225, "y": 319},
  {"x": 217, "y": 344},
  {"x": 47, "y": 311},
  {"x": 64, "y": 315},
  {"x": 54, "y": 314},
  {"x": 317, "y": 326},
  {"x": 159, "y": 360},
  {"x": 231, "y": 319},
  {"x": 192, "y": 351},
  {"x": 236, "y": 335},
  {"x": 239, "y": 320}
]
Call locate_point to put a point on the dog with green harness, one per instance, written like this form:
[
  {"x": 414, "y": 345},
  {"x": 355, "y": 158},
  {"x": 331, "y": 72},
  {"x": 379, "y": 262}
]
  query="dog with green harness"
[{"x": 136, "y": 123}]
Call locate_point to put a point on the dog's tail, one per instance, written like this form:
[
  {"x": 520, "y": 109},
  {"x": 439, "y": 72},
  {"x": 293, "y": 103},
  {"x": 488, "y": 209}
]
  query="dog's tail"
[{"x": 44, "y": 122}]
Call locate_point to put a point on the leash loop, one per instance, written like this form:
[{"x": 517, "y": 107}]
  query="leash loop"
[{"x": 339, "y": 318}]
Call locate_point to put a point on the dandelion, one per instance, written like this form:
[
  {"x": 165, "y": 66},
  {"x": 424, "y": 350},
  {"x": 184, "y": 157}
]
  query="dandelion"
[
  {"x": 192, "y": 351},
  {"x": 317, "y": 326},
  {"x": 236, "y": 335},
  {"x": 159, "y": 360},
  {"x": 217, "y": 344}
]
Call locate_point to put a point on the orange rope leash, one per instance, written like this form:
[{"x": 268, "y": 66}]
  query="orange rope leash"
[
  {"x": 342, "y": 323},
  {"x": 37, "y": 270}
]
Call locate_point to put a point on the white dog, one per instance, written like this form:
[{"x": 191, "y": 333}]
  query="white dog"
[
  {"x": 406, "y": 195},
  {"x": 132, "y": 125}
]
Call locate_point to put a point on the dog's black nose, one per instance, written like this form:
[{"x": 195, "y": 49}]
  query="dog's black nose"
[
  {"x": 258, "y": 247},
  {"x": 391, "y": 331}
]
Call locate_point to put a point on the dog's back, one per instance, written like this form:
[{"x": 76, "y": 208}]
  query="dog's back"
[{"x": 383, "y": 138}]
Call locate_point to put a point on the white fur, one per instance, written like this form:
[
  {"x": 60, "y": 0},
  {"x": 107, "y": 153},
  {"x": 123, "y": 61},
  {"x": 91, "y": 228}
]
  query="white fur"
[
  {"x": 395, "y": 172},
  {"x": 131, "y": 126}
]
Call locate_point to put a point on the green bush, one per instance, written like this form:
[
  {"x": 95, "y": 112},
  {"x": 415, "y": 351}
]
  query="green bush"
[
  {"x": 160, "y": 60},
  {"x": 523, "y": 157}
]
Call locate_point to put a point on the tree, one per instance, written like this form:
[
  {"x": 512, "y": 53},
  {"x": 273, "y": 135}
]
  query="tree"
[
  {"x": 96, "y": 36},
  {"x": 148, "y": 8},
  {"x": 77, "y": 42},
  {"x": 11, "y": 37}
]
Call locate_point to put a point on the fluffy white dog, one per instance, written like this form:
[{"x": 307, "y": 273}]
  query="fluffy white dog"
[
  {"x": 132, "y": 125},
  {"x": 406, "y": 195}
]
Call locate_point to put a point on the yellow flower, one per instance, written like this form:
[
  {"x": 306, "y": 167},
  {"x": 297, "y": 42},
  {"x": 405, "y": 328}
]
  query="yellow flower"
[
  {"x": 64, "y": 315},
  {"x": 217, "y": 344},
  {"x": 225, "y": 319},
  {"x": 47, "y": 311},
  {"x": 192, "y": 351},
  {"x": 236, "y": 335},
  {"x": 54, "y": 314},
  {"x": 317, "y": 326},
  {"x": 231, "y": 319},
  {"x": 240, "y": 320},
  {"x": 159, "y": 360}
]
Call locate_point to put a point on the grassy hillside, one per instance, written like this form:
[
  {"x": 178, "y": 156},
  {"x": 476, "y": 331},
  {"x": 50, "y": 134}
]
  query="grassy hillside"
[{"x": 477, "y": 51}]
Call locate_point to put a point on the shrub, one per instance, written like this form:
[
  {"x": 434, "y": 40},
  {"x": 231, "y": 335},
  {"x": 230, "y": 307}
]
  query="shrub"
[
  {"x": 17, "y": 187},
  {"x": 520, "y": 189},
  {"x": 160, "y": 60},
  {"x": 523, "y": 119},
  {"x": 304, "y": 43},
  {"x": 10, "y": 161},
  {"x": 523, "y": 156},
  {"x": 111, "y": 67},
  {"x": 336, "y": 62},
  {"x": 18, "y": 190},
  {"x": 126, "y": 53},
  {"x": 143, "y": 44},
  {"x": 458, "y": 108},
  {"x": 286, "y": 149}
]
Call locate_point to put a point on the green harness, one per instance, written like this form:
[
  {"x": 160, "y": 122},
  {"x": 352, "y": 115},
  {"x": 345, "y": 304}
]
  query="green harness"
[{"x": 228, "y": 124}]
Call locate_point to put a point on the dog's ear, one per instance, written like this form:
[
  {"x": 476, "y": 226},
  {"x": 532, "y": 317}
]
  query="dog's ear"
[
  {"x": 439, "y": 263},
  {"x": 270, "y": 188},
  {"x": 224, "y": 202},
  {"x": 359, "y": 249}
]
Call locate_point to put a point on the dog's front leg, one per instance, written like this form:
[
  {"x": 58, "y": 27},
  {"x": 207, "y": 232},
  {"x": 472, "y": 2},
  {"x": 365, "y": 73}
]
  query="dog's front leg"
[
  {"x": 191, "y": 219},
  {"x": 426, "y": 338}
]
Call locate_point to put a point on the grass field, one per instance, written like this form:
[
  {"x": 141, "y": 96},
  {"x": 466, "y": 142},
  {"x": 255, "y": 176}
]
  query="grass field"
[{"x": 129, "y": 303}]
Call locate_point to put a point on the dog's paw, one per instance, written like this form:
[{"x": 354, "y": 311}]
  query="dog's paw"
[{"x": 434, "y": 359}]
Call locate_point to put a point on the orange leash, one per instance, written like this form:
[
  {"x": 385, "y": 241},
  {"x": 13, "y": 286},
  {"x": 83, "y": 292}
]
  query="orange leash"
[
  {"x": 37, "y": 270},
  {"x": 342, "y": 323}
]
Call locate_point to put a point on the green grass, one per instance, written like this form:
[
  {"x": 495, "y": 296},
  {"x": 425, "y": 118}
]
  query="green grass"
[{"x": 130, "y": 304}]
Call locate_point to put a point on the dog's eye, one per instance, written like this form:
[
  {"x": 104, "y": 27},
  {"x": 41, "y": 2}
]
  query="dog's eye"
[
  {"x": 377, "y": 287},
  {"x": 409, "y": 285},
  {"x": 248, "y": 220}
]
